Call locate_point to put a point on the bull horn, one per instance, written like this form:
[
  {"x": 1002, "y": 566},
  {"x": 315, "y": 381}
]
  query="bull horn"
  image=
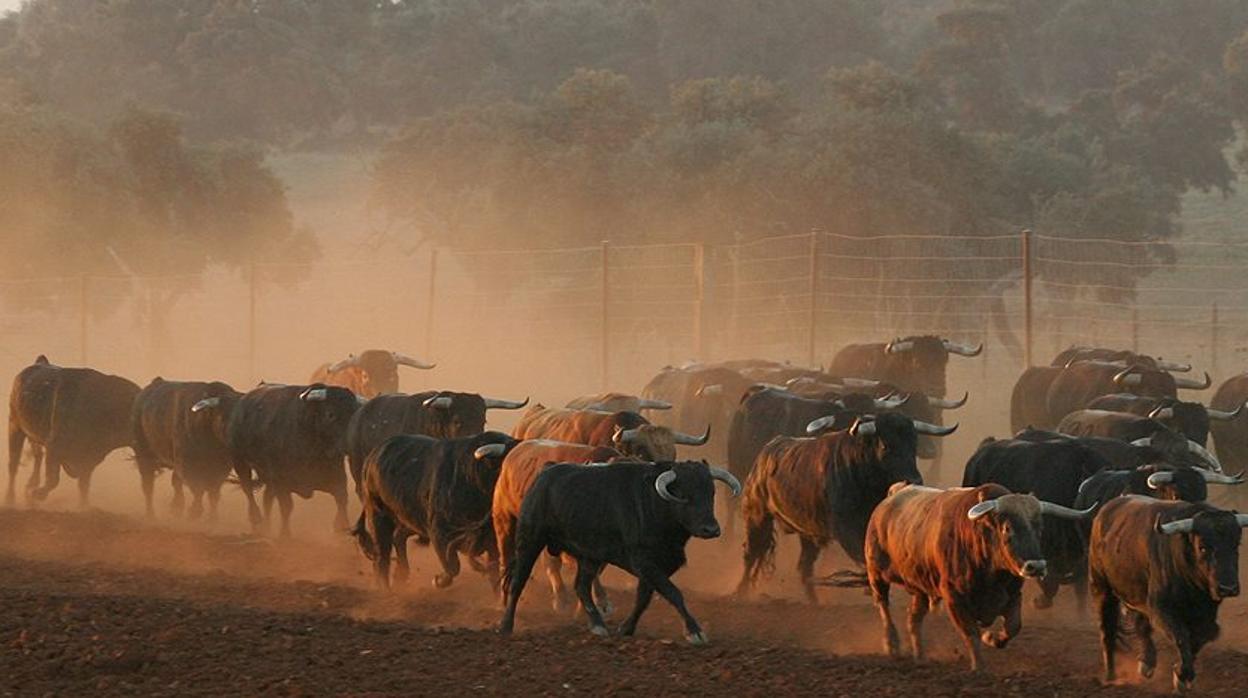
[
  {"x": 314, "y": 394},
  {"x": 712, "y": 389},
  {"x": 661, "y": 482},
  {"x": 800, "y": 380},
  {"x": 440, "y": 402},
  {"x": 1156, "y": 480},
  {"x": 728, "y": 479},
  {"x": 405, "y": 360},
  {"x": 644, "y": 404},
  {"x": 863, "y": 427},
  {"x": 625, "y": 435},
  {"x": 962, "y": 349},
  {"x": 1065, "y": 512},
  {"x": 489, "y": 451},
  {"x": 982, "y": 508},
  {"x": 1205, "y": 455},
  {"x": 946, "y": 404},
  {"x": 1221, "y": 416},
  {"x": 860, "y": 382},
  {"x": 360, "y": 399},
  {"x": 496, "y": 404},
  {"x": 891, "y": 402},
  {"x": 1222, "y": 478},
  {"x": 1184, "y": 526},
  {"x": 1173, "y": 366},
  {"x": 1146, "y": 441},
  {"x": 206, "y": 403},
  {"x": 690, "y": 440},
  {"x": 351, "y": 360},
  {"x": 897, "y": 346},
  {"x": 1190, "y": 384},
  {"x": 933, "y": 429},
  {"x": 1125, "y": 377},
  {"x": 818, "y": 425},
  {"x": 1241, "y": 519},
  {"x": 1162, "y": 413}
]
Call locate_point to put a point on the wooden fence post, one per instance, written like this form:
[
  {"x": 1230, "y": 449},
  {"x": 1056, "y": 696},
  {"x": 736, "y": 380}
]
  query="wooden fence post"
[
  {"x": 1213, "y": 339},
  {"x": 1027, "y": 299},
  {"x": 813, "y": 319},
  {"x": 699, "y": 308},
  {"x": 431, "y": 303}
]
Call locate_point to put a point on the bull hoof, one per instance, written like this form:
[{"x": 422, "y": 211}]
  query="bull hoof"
[
  {"x": 442, "y": 581},
  {"x": 1042, "y": 602},
  {"x": 605, "y": 607},
  {"x": 995, "y": 640},
  {"x": 599, "y": 630},
  {"x": 1146, "y": 671},
  {"x": 697, "y": 639},
  {"x": 1181, "y": 684}
]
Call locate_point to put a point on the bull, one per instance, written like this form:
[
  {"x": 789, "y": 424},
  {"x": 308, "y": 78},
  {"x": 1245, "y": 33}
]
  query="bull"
[
  {"x": 373, "y": 372},
  {"x": 73, "y": 417},
  {"x": 1160, "y": 481},
  {"x": 1080, "y": 383},
  {"x": 1170, "y": 564},
  {"x": 291, "y": 439},
  {"x": 700, "y": 396},
  {"x": 439, "y": 490},
  {"x": 1130, "y": 428},
  {"x": 616, "y": 402},
  {"x": 627, "y": 432},
  {"x": 824, "y": 488},
  {"x": 1230, "y": 438},
  {"x": 182, "y": 426},
  {"x": 1029, "y": 401},
  {"x": 1191, "y": 419},
  {"x": 635, "y": 516},
  {"x": 1123, "y": 357},
  {"x": 913, "y": 363}
]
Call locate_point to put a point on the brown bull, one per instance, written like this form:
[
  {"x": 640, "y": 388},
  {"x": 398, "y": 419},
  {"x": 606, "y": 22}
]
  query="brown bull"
[
  {"x": 373, "y": 372},
  {"x": 627, "y": 432},
  {"x": 519, "y": 470},
  {"x": 968, "y": 547},
  {"x": 616, "y": 402}
]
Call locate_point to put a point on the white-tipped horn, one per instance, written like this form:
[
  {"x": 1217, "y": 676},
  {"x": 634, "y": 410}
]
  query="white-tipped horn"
[
  {"x": 661, "y": 482},
  {"x": 1156, "y": 480},
  {"x": 625, "y": 436},
  {"x": 1173, "y": 366},
  {"x": 361, "y": 400},
  {"x": 351, "y": 360},
  {"x": 206, "y": 403},
  {"x": 405, "y": 360},
  {"x": 1223, "y": 416},
  {"x": 712, "y": 389},
  {"x": 980, "y": 509},
  {"x": 1065, "y": 512},
  {"x": 947, "y": 404},
  {"x": 1178, "y": 526},
  {"x": 644, "y": 404},
  {"x": 496, "y": 404},
  {"x": 1146, "y": 441},
  {"x": 818, "y": 425},
  {"x": 1189, "y": 384},
  {"x": 860, "y": 382},
  {"x": 489, "y": 451},
  {"x": 690, "y": 439},
  {"x": 1241, "y": 519},
  {"x": 862, "y": 427},
  {"x": 1205, "y": 455},
  {"x": 1162, "y": 413},
  {"x": 897, "y": 346},
  {"x": 962, "y": 349},
  {"x": 314, "y": 394},
  {"x": 1214, "y": 478},
  {"x": 728, "y": 479},
  {"x": 891, "y": 402},
  {"x": 439, "y": 402},
  {"x": 1126, "y": 377},
  {"x": 933, "y": 429}
]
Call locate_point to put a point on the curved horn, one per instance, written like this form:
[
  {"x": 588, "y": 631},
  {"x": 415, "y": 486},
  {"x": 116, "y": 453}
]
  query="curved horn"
[
  {"x": 728, "y": 479},
  {"x": 1125, "y": 377},
  {"x": 1190, "y": 384},
  {"x": 1065, "y": 512},
  {"x": 496, "y": 404},
  {"x": 1181, "y": 526},
  {"x": 1174, "y": 366},
  {"x": 897, "y": 346},
  {"x": 361, "y": 400},
  {"x": 946, "y": 404},
  {"x": 314, "y": 394},
  {"x": 891, "y": 402},
  {"x": 962, "y": 349},
  {"x": 1221, "y": 478},
  {"x": 206, "y": 403},
  {"x": 405, "y": 360},
  {"x": 489, "y": 451},
  {"x": 980, "y": 509},
  {"x": 661, "y": 482},
  {"x": 1205, "y": 455},
  {"x": 933, "y": 429},
  {"x": 1221, "y": 416},
  {"x": 441, "y": 402},
  {"x": 691, "y": 440},
  {"x": 1156, "y": 480},
  {"x": 862, "y": 427},
  {"x": 351, "y": 360},
  {"x": 625, "y": 435},
  {"x": 817, "y": 425},
  {"x": 644, "y": 404},
  {"x": 712, "y": 389},
  {"x": 859, "y": 383},
  {"x": 1241, "y": 519},
  {"x": 1162, "y": 413},
  {"x": 1146, "y": 441}
]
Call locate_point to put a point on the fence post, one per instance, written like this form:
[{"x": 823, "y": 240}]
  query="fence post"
[
  {"x": 1135, "y": 327},
  {"x": 1213, "y": 339},
  {"x": 82, "y": 319},
  {"x": 251, "y": 322},
  {"x": 1027, "y": 300},
  {"x": 699, "y": 307},
  {"x": 813, "y": 319},
  {"x": 605, "y": 312},
  {"x": 430, "y": 303},
  {"x": 734, "y": 306}
]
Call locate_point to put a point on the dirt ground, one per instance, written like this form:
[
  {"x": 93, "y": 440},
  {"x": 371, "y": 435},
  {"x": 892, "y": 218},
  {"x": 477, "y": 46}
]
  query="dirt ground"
[{"x": 107, "y": 604}]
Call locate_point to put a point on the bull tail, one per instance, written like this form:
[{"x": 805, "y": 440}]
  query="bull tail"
[
  {"x": 844, "y": 579},
  {"x": 760, "y": 531},
  {"x": 363, "y": 538}
]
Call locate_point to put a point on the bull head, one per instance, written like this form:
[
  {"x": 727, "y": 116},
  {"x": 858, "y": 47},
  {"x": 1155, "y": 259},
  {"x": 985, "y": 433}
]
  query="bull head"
[
  {"x": 1017, "y": 520},
  {"x": 1213, "y": 537},
  {"x": 1192, "y": 447}
]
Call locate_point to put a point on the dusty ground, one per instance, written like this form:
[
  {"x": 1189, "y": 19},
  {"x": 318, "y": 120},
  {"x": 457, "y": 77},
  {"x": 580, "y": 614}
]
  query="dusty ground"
[{"x": 108, "y": 604}]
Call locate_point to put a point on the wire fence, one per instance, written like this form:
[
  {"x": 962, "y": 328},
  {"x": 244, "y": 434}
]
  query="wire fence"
[{"x": 579, "y": 319}]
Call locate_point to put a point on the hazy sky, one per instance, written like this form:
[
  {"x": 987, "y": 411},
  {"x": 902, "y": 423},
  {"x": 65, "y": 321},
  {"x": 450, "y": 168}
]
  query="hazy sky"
[{"x": 6, "y": 5}]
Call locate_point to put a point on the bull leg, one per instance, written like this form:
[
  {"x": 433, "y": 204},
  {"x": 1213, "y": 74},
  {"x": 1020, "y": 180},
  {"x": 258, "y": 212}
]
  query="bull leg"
[
  {"x": 554, "y": 574},
  {"x": 586, "y": 572},
  {"x": 84, "y": 490},
  {"x": 147, "y": 482},
  {"x": 403, "y": 568},
  {"x": 51, "y": 475},
  {"x": 17, "y": 438},
  {"x": 967, "y": 626},
  {"x": 527, "y": 553},
  {"x": 179, "y": 497},
  {"x": 449, "y": 559},
  {"x": 601, "y": 597},
  {"x": 1184, "y": 672},
  {"x": 32, "y": 483},
  {"x": 760, "y": 541},
  {"x": 197, "y": 504},
  {"x": 645, "y": 592},
  {"x": 1048, "y": 589},
  {"x": 806, "y": 568},
  {"x": 339, "y": 492},
  {"x": 879, "y": 593},
  {"x": 249, "y": 490},
  {"x": 663, "y": 585},
  {"x": 381, "y": 528},
  {"x": 1148, "y": 649},
  {"x": 919, "y": 604},
  {"x": 1013, "y": 624},
  {"x": 285, "y": 505},
  {"x": 214, "y": 501}
]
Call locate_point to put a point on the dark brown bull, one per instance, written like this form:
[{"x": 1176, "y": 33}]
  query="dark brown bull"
[
  {"x": 1130, "y": 428},
  {"x": 1081, "y": 383},
  {"x": 519, "y": 471},
  {"x": 1191, "y": 419},
  {"x": 73, "y": 417},
  {"x": 912, "y": 363},
  {"x": 1124, "y": 357},
  {"x": 1230, "y": 438},
  {"x": 616, "y": 402},
  {"x": 970, "y": 548},
  {"x": 1029, "y": 402},
  {"x": 701, "y": 396},
  {"x": 1171, "y": 564},
  {"x": 627, "y": 432},
  {"x": 374, "y": 372},
  {"x": 182, "y": 426}
]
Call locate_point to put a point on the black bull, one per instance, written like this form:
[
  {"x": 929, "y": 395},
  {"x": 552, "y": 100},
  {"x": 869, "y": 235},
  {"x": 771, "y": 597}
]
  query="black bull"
[
  {"x": 182, "y": 426},
  {"x": 73, "y": 417},
  {"x": 291, "y": 439}
]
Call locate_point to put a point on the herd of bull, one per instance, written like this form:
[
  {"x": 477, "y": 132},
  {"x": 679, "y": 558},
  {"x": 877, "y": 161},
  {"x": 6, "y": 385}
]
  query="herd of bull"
[{"x": 1104, "y": 485}]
